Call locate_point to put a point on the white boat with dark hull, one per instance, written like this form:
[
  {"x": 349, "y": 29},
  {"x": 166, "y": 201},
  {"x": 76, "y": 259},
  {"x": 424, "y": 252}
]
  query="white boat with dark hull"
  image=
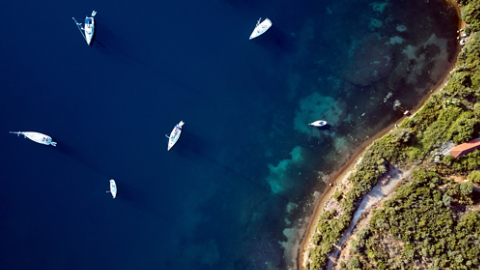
[
  {"x": 89, "y": 29},
  {"x": 261, "y": 28},
  {"x": 319, "y": 123},
  {"x": 113, "y": 188},
  {"x": 174, "y": 135},
  {"x": 36, "y": 137}
]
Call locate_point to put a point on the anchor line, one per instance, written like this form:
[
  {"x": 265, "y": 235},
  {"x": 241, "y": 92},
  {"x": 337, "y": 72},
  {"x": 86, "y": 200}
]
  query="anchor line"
[{"x": 79, "y": 27}]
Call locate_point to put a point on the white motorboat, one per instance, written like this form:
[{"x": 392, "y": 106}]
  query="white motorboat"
[
  {"x": 36, "y": 137},
  {"x": 89, "y": 30},
  {"x": 113, "y": 188},
  {"x": 319, "y": 123},
  {"x": 261, "y": 28},
  {"x": 174, "y": 135}
]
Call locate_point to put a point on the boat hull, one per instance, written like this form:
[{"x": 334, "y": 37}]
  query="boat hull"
[
  {"x": 261, "y": 28},
  {"x": 319, "y": 123},
  {"x": 113, "y": 188},
  {"x": 175, "y": 135},
  {"x": 89, "y": 29},
  {"x": 37, "y": 137}
]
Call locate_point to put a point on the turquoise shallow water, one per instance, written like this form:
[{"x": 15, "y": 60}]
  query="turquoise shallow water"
[{"x": 231, "y": 194}]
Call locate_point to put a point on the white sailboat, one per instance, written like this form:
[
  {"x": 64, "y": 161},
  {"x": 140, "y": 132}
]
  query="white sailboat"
[
  {"x": 174, "y": 135},
  {"x": 319, "y": 123},
  {"x": 89, "y": 30},
  {"x": 113, "y": 188},
  {"x": 261, "y": 28},
  {"x": 36, "y": 137}
]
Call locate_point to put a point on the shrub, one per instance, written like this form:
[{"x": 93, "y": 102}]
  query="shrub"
[
  {"x": 468, "y": 162},
  {"x": 337, "y": 195},
  {"x": 413, "y": 153},
  {"x": 476, "y": 109},
  {"x": 447, "y": 200},
  {"x": 474, "y": 176},
  {"x": 354, "y": 263},
  {"x": 471, "y": 12},
  {"x": 466, "y": 188},
  {"x": 464, "y": 128}
]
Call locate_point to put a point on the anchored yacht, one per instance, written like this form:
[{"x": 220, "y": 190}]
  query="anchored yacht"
[
  {"x": 174, "y": 135},
  {"x": 89, "y": 30},
  {"x": 36, "y": 137},
  {"x": 261, "y": 28},
  {"x": 319, "y": 123},
  {"x": 113, "y": 188}
]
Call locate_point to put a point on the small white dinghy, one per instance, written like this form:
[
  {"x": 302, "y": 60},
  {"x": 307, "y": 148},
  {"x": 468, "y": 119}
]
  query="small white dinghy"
[
  {"x": 261, "y": 28},
  {"x": 174, "y": 135},
  {"x": 36, "y": 137},
  {"x": 89, "y": 30},
  {"x": 319, "y": 123},
  {"x": 113, "y": 188}
]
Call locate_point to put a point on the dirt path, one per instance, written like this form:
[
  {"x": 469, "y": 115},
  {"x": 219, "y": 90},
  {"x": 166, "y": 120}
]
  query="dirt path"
[{"x": 385, "y": 186}]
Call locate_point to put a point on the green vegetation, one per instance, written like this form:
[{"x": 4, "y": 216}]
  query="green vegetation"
[
  {"x": 471, "y": 15},
  {"x": 474, "y": 177},
  {"x": 462, "y": 164},
  {"x": 422, "y": 216}
]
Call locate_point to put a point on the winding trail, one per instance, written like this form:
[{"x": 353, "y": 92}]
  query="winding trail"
[{"x": 385, "y": 186}]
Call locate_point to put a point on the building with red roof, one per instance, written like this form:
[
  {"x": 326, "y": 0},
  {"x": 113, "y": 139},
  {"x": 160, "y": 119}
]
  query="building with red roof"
[{"x": 465, "y": 148}]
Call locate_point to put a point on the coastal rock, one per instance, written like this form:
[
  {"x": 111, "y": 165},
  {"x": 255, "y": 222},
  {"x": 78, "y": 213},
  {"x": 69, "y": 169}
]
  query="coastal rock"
[{"x": 372, "y": 60}]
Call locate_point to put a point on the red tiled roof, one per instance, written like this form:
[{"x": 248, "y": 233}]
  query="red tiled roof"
[{"x": 465, "y": 148}]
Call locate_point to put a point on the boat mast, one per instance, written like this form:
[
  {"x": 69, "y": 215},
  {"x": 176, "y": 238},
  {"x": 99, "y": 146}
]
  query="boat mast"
[
  {"x": 80, "y": 28},
  {"x": 18, "y": 133}
]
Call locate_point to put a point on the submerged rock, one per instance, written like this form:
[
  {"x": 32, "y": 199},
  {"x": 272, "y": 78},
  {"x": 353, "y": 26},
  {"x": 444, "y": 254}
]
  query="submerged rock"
[
  {"x": 280, "y": 178},
  {"x": 372, "y": 60},
  {"x": 379, "y": 7},
  {"x": 401, "y": 28}
]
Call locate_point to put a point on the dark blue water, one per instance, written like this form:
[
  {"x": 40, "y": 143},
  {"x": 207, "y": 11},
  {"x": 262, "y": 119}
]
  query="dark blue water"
[{"x": 223, "y": 196}]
